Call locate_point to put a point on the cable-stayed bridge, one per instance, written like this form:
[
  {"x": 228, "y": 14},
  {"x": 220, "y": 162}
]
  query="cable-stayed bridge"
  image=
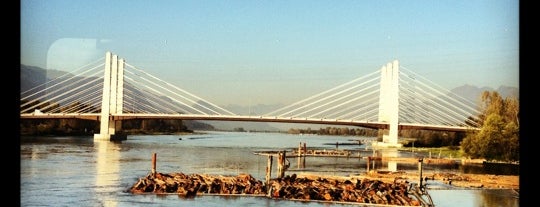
[{"x": 110, "y": 90}]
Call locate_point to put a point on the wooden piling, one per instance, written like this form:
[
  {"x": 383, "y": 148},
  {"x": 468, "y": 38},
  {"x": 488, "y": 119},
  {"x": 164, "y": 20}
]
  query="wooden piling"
[
  {"x": 368, "y": 163},
  {"x": 301, "y": 162},
  {"x": 305, "y": 149},
  {"x": 300, "y": 149},
  {"x": 269, "y": 169},
  {"x": 154, "y": 164},
  {"x": 281, "y": 164},
  {"x": 420, "y": 161}
]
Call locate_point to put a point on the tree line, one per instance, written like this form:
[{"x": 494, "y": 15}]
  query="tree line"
[
  {"x": 62, "y": 127},
  {"x": 423, "y": 138},
  {"x": 335, "y": 131}
]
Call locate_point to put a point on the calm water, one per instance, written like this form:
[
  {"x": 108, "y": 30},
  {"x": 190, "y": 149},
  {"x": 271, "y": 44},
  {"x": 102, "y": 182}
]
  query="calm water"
[{"x": 78, "y": 171}]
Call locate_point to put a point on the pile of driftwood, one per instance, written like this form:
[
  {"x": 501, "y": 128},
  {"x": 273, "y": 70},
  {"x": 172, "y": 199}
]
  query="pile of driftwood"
[
  {"x": 329, "y": 189},
  {"x": 193, "y": 184},
  {"x": 289, "y": 187}
]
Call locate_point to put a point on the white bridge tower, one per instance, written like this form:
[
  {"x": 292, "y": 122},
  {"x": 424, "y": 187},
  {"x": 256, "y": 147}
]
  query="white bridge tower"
[
  {"x": 389, "y": 104},
  {"x": 113, "y": 89}
]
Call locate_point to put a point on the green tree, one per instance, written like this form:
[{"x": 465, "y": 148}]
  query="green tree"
[{"x": 498, "y": 137}]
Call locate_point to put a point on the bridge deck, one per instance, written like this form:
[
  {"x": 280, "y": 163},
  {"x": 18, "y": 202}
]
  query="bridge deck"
[{"x": 358, "y": 123}]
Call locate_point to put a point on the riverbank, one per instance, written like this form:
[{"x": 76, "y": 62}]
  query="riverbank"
[{"x": 461, "y": 180}]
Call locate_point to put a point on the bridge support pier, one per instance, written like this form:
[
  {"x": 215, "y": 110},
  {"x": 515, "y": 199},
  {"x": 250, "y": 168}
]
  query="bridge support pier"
[
  {"x": 113, "y": 86},
  {"x": 389, "y": 104}
]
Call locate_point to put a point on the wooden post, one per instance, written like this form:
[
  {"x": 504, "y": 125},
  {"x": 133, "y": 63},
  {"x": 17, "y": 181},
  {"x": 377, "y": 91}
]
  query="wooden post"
[
  {"x": 302, "y": 155},
  {"x": 373, "y": 163},
  {"x": 301, "y": 162},
  {"x": 281, "y": 164},
  {"x": 305, "y": 149},
  {"x": 285, "y": 166},
  {"x": 300, "y": 149},
  {"x": 154, "y": 164},
  {"x": 368, "y": 163},
  {"x": 269, "y": 170},
  {"x": 420, "y": 161}
]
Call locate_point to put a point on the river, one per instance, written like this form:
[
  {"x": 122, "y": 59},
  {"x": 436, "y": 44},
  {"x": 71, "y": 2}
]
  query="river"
[{"x": 78, "y": 171}]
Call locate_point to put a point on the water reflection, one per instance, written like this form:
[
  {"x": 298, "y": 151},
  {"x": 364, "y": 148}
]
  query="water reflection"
[
  {"x": 486, "y": 197},
  {"x": 301, "y": 162},
  {"x": 107, "y": 171},
  {"x": 498, "y": 198},
  {"x": 490, "y": 168},
  {"x": 391, "y": 152}
]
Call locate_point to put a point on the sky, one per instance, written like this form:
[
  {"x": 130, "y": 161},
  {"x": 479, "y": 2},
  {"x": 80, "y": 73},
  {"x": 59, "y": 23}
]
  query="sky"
[{"x": 249, "y": 52}]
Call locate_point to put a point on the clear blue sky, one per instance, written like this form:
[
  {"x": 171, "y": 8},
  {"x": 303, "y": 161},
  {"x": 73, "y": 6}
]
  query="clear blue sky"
[{"x": 278, "y": 52}]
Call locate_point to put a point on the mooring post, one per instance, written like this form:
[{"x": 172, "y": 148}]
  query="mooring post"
[
  {"x": 300, "y": 149},
  {"x": 301, "y": 161},
  {"x": 305, "y": 149},
  {"x": 269, "y": 170},
  {"x": 154, "y": 164},
  {"x": 281, "y": 164},
  {"x": 302, "y": 155},
  {"x": 368, "y": 163},
  {"x": 420, "y": 161}
]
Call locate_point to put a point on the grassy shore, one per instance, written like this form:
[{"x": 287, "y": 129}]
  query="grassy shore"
[{"x": 436, "y": 152}]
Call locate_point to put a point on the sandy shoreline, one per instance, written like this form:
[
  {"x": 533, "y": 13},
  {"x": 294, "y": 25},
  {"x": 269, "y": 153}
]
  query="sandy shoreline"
[{"x": 475, "y": 181}]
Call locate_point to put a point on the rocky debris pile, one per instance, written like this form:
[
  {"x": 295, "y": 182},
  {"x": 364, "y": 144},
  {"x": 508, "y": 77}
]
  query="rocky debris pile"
[{"x": 289, "y": 187}]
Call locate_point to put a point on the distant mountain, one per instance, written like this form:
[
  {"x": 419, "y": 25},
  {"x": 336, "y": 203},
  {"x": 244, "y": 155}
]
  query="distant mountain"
[
  {"x": 473, "y": 93},
  {"x": 507, "y": 91},
  {"x": 36, "y": 78},
  {"x": 247, "y": 126},
  {"x": 32, "y": 76},
  {"x": 255, "y": 110}
]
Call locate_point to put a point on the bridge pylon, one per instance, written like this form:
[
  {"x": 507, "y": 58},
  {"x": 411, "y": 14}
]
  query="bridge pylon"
[
  {"x": 389, "y": 104},
  {"x": 113, "y": 86}
]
